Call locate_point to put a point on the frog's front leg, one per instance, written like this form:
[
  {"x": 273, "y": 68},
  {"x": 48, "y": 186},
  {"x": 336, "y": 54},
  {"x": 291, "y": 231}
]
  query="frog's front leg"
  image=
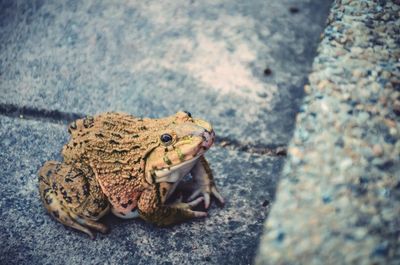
[
  {"x": 203, "y": 183},
  {"x": 152, "y": 209},
  {"x": 70, "y": 199}
]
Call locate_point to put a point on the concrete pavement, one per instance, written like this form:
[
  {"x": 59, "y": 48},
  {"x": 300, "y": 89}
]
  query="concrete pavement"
[{"x": 241, "y": 66}]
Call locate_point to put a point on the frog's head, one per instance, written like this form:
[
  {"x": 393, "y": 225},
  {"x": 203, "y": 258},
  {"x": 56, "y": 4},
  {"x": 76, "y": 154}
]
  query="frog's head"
[{"x": 182, "y": 139}]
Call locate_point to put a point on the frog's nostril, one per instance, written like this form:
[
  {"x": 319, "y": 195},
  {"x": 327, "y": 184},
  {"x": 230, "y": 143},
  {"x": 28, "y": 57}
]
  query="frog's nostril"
[
  {"x": 211, "y": 132},
  {"x": 208, "y": 139}
]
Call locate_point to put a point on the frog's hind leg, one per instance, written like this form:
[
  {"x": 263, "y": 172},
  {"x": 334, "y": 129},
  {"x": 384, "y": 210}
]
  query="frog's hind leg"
[{"x": 56, "y": 206}]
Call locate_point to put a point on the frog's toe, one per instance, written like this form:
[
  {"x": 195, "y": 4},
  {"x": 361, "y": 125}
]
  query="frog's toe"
[
  {"x": 198, "y": 214},
  {"x": 188, "y": 206},
  {"x": 65, "y": 219},
  {"x": 90, "y": 223},
  {"x": 195, "y": 194},
  {"x": 217, "y": 195},
  {"x": 206, "y": 192},
  {"x": 196, "y": 202},
  {"x": 205, "y": 195},
  {"x": 206, "y": 200}
]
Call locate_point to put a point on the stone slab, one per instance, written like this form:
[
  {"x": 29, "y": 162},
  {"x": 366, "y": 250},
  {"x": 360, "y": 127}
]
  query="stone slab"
[
  {"x": 28, "y": 235},
  {"x": 153, "y": 58}
]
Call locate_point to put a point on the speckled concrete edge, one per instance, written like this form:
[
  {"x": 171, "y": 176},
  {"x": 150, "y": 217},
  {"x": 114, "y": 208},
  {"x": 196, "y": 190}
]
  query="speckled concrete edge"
[{"x": 338, "y": 199}]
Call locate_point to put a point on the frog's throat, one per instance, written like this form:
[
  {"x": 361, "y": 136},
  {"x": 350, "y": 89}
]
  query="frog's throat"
[{"x": 175, "y": 174}]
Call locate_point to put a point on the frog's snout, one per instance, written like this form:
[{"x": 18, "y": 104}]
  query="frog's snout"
[
  {"x": 206, "y": 132},
  {"x": 208, "y": 138}
]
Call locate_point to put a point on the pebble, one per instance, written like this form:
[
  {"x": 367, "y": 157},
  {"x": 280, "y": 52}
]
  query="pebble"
[
  {"x": 377, "y": 150},
  {"x": 358, "y": 73},
  {"x": 267, "y": 71},
  {"x": 396, "y": 108}
]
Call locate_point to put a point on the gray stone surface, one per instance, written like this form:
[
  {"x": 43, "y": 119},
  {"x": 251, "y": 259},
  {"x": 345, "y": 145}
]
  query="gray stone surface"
[
  {"x": 153, "y": 58},
  {"x": 28, "y": 235},
  {"x": 338, "y": 201}
]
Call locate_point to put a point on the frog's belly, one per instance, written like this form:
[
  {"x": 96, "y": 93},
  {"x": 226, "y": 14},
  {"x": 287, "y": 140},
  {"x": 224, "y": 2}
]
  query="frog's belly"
[{"x": 129, "y": 215}]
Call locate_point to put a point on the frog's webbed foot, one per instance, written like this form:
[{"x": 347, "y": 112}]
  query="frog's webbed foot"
[
  {"x": 179, "y": 204},
  {"x": 203, "y": 183},
  {"x": 150, "y": 210},
  {"x": 57, "y": 207}
]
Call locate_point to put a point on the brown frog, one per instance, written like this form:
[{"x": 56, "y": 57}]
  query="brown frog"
[{"x": 132, "y": 166}]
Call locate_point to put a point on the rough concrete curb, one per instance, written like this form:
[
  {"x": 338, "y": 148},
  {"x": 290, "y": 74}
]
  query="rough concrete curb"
[{"x": 337, "y": 202}]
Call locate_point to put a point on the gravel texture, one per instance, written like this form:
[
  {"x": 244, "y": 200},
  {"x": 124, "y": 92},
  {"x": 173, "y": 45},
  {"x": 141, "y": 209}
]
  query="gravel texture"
[
  {"x": 28, "y": 235},
  {"x": 338, "y": 200}
]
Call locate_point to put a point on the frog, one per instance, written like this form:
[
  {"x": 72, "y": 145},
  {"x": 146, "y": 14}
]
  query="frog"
[{"x": 130, "y": 166}]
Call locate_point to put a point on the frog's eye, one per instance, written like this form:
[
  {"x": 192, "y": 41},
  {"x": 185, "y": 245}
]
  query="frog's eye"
[
  {"x": 166, "y": 138},
  {"x": 188, "y": 113}
]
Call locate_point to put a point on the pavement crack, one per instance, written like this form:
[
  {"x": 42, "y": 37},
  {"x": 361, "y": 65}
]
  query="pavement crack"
[
  {"x": 60, "y": 117},
  {"x": 263, "y": 149},
  {"x": 29, "y": 113}
]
